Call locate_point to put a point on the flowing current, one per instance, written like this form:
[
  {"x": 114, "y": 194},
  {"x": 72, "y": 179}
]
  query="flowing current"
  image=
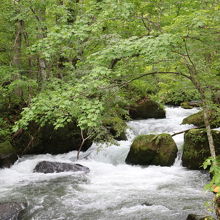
[{"x": 113, "y": 189}]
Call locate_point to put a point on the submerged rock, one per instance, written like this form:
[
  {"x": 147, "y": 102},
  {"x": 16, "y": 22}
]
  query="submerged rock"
[
  {"x": 197, "y": 120},
  {"x": 146, "y": 108},
  {"x": 152, "y": 150},
  {"x": 8, "y": 154},
  {"x": 56, "y": 167},
  {"x": 12, "y": 210},
  {"x": 199, "y": 217},
  {"x": 196, "y": 148}
]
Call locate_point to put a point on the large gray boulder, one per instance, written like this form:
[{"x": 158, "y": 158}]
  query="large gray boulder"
[
  {"x": 8, "y": 154},
  {"x": 196, "y": 148},
  {"x": 12, "y": 210},
  {"x": 56, "y": 167},
  {"x": 152, "y": 150},
  {"x": 146, "y": 108}
]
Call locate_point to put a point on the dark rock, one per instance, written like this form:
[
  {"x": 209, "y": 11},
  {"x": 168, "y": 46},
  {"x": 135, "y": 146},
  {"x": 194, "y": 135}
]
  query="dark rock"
[
  {"x": 196, "y": 147},
  {"x": 52, "y": 167},
  {"x": 8, "y": 154},
  {"x": 199, "y": 217},
  {"x": 146, "y": 108},
  {"x": 152, "y": 150},
  {"x": 43, "y": 140},
  {"x": 12, "y": 210},
  {"x": 146, "y": 204},
  {"x": 197, "y": 120},
  {"x": 118, "y": 137}
]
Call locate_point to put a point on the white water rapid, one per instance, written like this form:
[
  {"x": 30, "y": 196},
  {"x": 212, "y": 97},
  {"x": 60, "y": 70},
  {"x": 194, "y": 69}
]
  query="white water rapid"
[{"x": 113, "y": 189}]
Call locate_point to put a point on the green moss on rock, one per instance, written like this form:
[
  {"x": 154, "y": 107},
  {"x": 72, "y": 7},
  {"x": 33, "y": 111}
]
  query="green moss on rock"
[
  {"x": 7, "y": 154},
  {"x": 46, "y": 139},
  {"x": 186, "y": 105},
  {"x": 196, "y": 148},
  {"x": 146, "y": 108},
  {"x": 152, "y": 150},
  {"x": 197, "y": 120}
]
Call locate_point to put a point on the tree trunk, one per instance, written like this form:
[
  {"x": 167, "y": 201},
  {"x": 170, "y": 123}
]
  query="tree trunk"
[
  {"x": 16, "y": 59},
  {"x": 201, "y": 91}
]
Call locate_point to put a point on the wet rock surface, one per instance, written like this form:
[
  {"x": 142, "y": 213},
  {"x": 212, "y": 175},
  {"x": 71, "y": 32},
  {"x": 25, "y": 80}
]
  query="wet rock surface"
[
  {"x": 56, "y": 167},
  {"x": 12, "y": 210},
  {"x": 152, "y": 150}
]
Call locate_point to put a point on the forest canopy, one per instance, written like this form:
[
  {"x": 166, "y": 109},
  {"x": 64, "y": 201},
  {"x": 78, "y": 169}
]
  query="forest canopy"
[{"x": 86, "y": 61}]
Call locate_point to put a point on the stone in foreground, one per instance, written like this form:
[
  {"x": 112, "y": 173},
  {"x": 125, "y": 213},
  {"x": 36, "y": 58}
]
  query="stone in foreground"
[
  {"x": 11, "y": 210},
  {"x": 56, "y": 167},
  {"x": 152, "y": 150}
]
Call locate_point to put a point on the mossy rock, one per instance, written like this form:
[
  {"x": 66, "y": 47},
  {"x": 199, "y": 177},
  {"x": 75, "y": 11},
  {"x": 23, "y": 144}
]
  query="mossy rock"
[
  {"x": 152, "y": 150},
  {"x": 186, "y": 105},
  {"x": 46, "y": 139},
  {"x": 8, "y": 154},
  {"x": 146, "y": 108},
  {"x": 196, "y": 148},
  {"x": 197, "y": 120}
]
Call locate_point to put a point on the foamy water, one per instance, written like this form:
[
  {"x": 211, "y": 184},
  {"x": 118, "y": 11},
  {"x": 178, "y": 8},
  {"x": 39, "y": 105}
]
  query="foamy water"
[{"x": 113, "y": 189}]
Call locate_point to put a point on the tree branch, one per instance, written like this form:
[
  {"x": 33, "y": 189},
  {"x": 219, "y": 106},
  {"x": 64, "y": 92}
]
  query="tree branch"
[
  {"x": 155, "y": 73},
  {"x": 82, "y": 143}
]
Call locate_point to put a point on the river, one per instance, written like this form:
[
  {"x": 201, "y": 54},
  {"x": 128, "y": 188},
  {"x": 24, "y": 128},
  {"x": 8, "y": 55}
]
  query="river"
[{"x": 113, "y": 189}]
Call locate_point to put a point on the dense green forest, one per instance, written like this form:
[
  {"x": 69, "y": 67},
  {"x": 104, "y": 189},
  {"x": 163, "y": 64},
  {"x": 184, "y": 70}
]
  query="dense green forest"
[{"x": 86, "y": 61}]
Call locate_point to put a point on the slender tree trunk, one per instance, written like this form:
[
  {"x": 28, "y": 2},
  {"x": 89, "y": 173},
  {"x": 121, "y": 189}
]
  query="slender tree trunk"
[
  {"x": 16, "y": 59},
  {"x": 195, "y": 80},
  {"x": 40, "y": 18},
  {"x": 206, "y": 112}
]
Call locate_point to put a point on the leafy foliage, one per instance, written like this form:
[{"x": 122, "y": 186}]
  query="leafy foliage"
[{"x": 86, "y": 61}]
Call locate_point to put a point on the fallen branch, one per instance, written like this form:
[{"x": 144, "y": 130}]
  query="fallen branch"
[{"x": 185, "y": 131}]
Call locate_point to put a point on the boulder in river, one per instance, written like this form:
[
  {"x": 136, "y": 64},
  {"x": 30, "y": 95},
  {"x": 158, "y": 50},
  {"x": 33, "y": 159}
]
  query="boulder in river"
[
  {"x": 42, "y": 140},
  {"x": 199, "y": 217},
  {"x": 56, "y": 167},
  {"x": 152, "y": 150},
  {"x": 196, "y": 147},
  {"x": 146, "y": 108},
  {"x": 191, "y": 104},
  {"x": 12, "y": 210},
  {"x": 197, "y": 120},
  {"x": 8, "y": 154}
]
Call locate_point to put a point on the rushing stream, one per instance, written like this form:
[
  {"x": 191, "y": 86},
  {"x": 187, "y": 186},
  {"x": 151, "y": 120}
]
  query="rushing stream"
[{"x": 112, "y": 190}]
